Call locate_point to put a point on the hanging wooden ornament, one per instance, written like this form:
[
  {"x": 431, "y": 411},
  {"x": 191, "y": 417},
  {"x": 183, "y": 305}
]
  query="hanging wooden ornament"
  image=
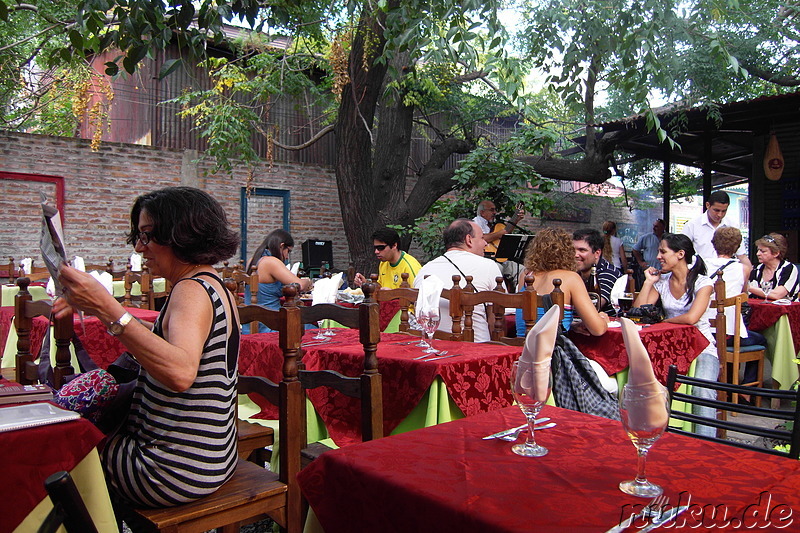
[{"x": 773, "y": 159}]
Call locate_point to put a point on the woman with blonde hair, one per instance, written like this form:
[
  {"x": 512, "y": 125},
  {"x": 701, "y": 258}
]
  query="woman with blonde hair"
[
  {"x": 613, "y": 249},
  {"x": 551, "y": 255},
  {"x": 781, "y": 274}
]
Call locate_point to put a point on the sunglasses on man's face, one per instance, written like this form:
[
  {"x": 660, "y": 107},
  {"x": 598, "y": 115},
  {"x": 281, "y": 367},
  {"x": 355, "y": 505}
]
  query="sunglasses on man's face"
[{"x": 380, "y": 247}]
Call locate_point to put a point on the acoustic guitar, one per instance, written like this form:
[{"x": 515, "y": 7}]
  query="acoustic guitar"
[{"x": 491, "y": 247}]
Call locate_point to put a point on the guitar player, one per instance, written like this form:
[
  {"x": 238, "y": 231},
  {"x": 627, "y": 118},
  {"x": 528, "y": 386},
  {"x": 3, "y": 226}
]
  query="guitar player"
[{"x": 492, "y": 233}]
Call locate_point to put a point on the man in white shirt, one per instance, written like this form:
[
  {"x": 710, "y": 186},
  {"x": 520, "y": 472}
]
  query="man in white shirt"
[
  {"x": 701, "y": 229},
  {"x": 464, "y": 243}
]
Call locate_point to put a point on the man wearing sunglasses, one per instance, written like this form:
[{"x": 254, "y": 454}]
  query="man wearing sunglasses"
[
  {"x": 394, "y": 261},
  {"x": 701, "y": 229}
]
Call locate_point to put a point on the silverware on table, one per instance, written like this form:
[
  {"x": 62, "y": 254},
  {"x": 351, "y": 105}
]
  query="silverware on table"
[
  {"x": 652, "y": 508},
  {"x": 505, "y": 432},
  {"x": 664, "y": 518},
  {"x": 514, "y": 436}
]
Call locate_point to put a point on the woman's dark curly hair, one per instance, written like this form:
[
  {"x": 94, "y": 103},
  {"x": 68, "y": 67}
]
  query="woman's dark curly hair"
[{"x": 189, "y": 221}]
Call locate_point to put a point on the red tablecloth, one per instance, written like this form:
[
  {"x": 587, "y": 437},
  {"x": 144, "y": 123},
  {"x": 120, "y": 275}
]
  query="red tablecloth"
[
  {"x": 477, "y": 380},
  {"x": 102, "y": 347},
  {"x": 29, "y": 456},
  {"x": 444, "y": 478},
  {"x": 667, "y": 344},
  {"x": 764, "y": 315}
]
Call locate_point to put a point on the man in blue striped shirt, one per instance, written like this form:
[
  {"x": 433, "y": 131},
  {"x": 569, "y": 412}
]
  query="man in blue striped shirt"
[{"x": 588, "y": 245}]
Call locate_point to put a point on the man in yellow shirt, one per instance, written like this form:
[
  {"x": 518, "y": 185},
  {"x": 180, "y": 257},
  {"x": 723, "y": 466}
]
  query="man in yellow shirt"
[{"x": 394, "y": 261}]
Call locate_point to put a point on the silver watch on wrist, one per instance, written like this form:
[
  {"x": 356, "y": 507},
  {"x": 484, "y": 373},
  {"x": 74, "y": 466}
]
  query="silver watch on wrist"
[{"x": 116, "y": 328}]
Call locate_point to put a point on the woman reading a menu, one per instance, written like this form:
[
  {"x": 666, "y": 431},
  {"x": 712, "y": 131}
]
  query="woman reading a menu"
[
  {"x": 685, "y": 293},
  {"x": 178, "y": 442}
]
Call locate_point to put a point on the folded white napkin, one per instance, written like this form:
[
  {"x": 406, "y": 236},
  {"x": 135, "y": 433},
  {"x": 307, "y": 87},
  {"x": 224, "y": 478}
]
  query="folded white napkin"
[
  {"x": 25, "y": 265},
  {"x": 295, "y": 268},
  {"x": 533, "y": 373},
  {"x": 136, "y": 262},
  {"x": 783, "y": 301},
  {"x": 430, "y": 291},
  {"x": 78, "y": 263},
  {"x": 50, "y": 289},
  {"x": 105, "y": 279},
  {"x": 324, "y": 290},
  {"x": 643, "y": 379},
  {"x": 620, "y": 288}
]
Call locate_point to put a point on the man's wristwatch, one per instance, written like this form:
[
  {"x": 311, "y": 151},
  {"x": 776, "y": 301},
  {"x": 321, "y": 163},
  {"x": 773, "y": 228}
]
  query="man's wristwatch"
[{"x": 116, "y": 328}]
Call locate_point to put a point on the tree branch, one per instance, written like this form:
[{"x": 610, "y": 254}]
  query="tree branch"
[
  {"x": 317, "y": 136},
  {"x": 772, "y": 77}
]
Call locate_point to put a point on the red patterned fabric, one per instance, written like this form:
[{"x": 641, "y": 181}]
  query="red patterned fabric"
[
  {"x": 7, "y": 322},
  {"x": 477, "y": 380},
  {"x": 31, "y": 455},
  {"x": 764, "y": 315},
  {"x": 445, "y": 478},
  {"x": 667, "y": 344}
]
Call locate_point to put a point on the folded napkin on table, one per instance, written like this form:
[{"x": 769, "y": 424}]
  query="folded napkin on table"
[
  {"x": 78, "y": 263},
  {"x": 105, "y": 279},
  {"x": 50, "y": 289},
  {"x": 136, "y": 262},
  {"x": 430, "y": 291},
  {"x": 324, "y": 290},
  {"x": 534, "y": 363},
  {"x": 783, "y": 301},
  {"x": 619, "y": 289},
  {"x": 643, "y": 379},
  {"x": 295, "y": 268},
  {"x": 26, "y": 265}
]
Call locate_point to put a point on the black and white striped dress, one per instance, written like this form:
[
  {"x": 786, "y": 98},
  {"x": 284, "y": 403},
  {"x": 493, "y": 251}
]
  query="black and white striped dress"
[{"x": 177, "y": 447}]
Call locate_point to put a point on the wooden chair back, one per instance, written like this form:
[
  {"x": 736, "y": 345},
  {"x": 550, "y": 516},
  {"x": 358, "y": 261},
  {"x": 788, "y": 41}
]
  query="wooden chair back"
[
  {"x": 25, "y": 309},
  {"x": 367, "y": 387},
  {"x": 736, "y": 354},
  {"x": 496, "y": 302},
  {"x": 253, "y": 493},
  {"x": 145, "y": 281},
  {"x": 765, "y": 417},
  {"x": 407, "y": 296},
  {"x": 243, "y": 286}
]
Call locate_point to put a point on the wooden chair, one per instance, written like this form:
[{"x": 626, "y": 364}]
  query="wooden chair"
[
  {"x": 25, "y": 309},
  {"x": 69, "y": 509},
  {"x": 146, "y": 300},
  {"x": 408, "y": 296},
  {"x": 498, "y": 300},
  {"x": 791, "y": 437},
  {"x": 733, "y": 356},
  {"x": 243, "y": 286},
  {"x": 253, "y": 492}
]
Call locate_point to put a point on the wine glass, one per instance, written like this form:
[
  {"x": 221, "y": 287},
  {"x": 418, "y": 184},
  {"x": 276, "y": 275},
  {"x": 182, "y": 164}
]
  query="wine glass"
[
  {"x": 422, "y": 320},
  {"x": 766, "y": 286},
  {"x": 644, "y": 413},
  {"x": 428, "y": 329},
  {"x": 616, "y": 306},
  {"x": 530, "y": 388}
]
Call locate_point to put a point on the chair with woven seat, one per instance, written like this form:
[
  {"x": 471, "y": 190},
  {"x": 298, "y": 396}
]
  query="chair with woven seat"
[
  {"x": 253, "y": 493},
  {"x": 25, "y": 310},
  {"x": 731, "y": 357},
  {"x": 790, "y": 437}
]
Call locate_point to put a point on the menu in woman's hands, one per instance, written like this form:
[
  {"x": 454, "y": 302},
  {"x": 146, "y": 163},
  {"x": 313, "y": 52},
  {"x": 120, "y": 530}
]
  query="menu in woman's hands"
[{"x": 51, "y": 243}]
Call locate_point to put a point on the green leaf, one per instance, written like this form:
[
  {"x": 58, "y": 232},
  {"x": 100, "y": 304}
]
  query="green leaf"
[
  {"x": 168, "y": 67},
  {"x": 112, "y": 69},
  {"x": 3, "y": 11}
]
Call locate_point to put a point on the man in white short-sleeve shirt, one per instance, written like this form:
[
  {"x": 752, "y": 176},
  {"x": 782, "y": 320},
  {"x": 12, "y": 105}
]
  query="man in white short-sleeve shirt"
[
  {"x": 702, "y": 228},
  {"x": 464, "y": 243}
]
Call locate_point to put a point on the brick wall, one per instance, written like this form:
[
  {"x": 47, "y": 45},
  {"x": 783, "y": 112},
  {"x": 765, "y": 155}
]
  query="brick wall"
[{"x": 100, "y": 187}]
